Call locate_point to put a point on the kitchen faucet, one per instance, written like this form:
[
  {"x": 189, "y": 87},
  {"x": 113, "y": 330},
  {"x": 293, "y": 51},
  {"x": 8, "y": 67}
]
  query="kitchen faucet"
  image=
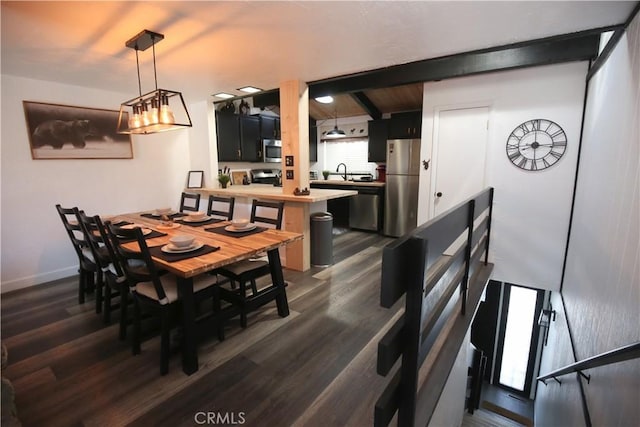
[{"x": 345, "y": 170}]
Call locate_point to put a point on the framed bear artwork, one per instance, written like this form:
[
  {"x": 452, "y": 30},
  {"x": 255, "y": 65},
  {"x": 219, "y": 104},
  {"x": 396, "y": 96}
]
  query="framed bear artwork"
[{"x": 68, "y": 132}]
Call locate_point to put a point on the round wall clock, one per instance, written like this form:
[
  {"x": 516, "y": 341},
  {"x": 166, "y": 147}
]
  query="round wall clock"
[{"x": 536, "y": 144}]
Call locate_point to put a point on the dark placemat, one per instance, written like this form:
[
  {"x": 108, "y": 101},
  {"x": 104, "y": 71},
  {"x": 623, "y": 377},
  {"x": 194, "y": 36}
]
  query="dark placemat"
[
  {"x": 201, "y": 223},
  {"x": 156, "y": 251},
  {"x": 221, "y": 230},
  {"x": 152, "y": 235},
  {"x": 159, "y": 217}
]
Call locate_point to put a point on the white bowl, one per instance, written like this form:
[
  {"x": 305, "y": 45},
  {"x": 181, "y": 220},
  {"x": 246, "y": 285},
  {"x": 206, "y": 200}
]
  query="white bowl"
[
  {"x": 240, "y": 222},
  {"x": 162, "y": 211},
  {"x": 196, "y": 215},
  {"x": 182, "y": 240}
]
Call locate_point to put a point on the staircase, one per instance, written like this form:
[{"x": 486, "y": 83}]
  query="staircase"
[{"x": 507, "y": 404}]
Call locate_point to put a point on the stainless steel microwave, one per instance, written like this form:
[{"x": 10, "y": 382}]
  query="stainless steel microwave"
[{"x": 271, "y": 150}]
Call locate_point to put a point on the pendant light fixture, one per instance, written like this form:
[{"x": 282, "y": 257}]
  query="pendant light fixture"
[
  {"x": 157, "y": 111},
  {"x": 335, "y": 132}
]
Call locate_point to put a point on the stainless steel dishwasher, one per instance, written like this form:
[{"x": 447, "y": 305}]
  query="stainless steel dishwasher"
[{"x": 364, "y": 209}]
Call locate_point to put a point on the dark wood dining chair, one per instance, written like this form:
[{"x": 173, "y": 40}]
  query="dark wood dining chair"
[
  {"x": 248, "y": 271},
  {"x": 87, "y": 268},
  {"x": 217, "y": 205},
  {"x": 111, "y": 279},
  {"x": 99, "y": 253},
  {"x": 153, "y": 290},
  {"x": 189, "y": 202}
]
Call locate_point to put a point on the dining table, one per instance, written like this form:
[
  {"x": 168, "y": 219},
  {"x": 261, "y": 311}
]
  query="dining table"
[{"x": 225, "y": 245}]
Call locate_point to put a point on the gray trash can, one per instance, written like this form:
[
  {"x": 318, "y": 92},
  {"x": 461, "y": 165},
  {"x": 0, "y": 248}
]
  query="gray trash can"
[{"x": 321, "y": 239}]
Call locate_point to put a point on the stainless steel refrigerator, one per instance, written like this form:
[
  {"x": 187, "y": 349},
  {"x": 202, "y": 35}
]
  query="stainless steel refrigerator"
[{"x": 401, "y": 190}]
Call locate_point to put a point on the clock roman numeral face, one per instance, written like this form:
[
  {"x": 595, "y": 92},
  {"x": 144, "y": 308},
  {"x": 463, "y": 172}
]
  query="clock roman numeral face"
[{"x": 536, "y": 144}]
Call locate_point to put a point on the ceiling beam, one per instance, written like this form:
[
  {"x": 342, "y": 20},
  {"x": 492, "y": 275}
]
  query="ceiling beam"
[
  {"x": 366, "y": 104},
  {"x": 580, "y": 46},
  {"x": 552, "y": 50}
]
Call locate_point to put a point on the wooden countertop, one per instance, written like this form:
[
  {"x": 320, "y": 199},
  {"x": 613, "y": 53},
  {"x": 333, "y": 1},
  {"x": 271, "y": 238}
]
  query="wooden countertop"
[
  {"x": 348, "y": 183},
  {"x": 269, "y": 192}
]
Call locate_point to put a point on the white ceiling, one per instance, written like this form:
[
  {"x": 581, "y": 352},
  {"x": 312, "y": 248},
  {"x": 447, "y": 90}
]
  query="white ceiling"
[{"x": 213, "y": 46}]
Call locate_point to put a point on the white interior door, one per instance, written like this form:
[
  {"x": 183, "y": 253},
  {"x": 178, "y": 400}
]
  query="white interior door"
[{"x": 460, "y": 147}]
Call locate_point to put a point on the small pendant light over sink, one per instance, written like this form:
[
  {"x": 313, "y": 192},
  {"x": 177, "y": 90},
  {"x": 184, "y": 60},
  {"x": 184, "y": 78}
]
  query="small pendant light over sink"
[
  {"x": 335, "y": 132},
  {"x": 160, "y": 110}
]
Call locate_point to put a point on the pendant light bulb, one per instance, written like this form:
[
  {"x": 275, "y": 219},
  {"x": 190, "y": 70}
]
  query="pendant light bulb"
[
  {"x": 135, "y": 119},
  {"x": 146, "y": 117},
  {"x": 166, "y": 115},
  {"x": 154, "y": 113}
]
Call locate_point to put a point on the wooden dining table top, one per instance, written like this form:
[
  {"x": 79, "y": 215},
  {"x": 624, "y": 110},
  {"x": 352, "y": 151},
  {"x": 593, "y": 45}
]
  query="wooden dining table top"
[{"x": 232, "y": 249}]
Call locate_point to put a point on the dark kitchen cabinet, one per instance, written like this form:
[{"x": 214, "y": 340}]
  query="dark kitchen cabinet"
[
  {"x": 405, "y": 125},
  {"x": 228, "y": 132},
  {"x": 250, "y": 147},
  {"x": 378, "y": 135},
  {"x": 270, "y": 127},
  {"x": 238, "y": 137}
]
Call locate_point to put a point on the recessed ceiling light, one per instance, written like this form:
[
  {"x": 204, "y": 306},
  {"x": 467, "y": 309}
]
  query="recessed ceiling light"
[
  {"x": 223, "y": 95},
  {"x": 325, "y": 99},
  {"x": 250, "y": 89}
]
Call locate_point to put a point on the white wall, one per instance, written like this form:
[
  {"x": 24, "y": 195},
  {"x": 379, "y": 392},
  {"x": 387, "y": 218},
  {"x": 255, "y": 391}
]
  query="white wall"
[
  {"x": 531, "y": 209},
  {"x": 450, "y": 408},
  {"x": 34, "y": 245},
  {"x": 202, "y": 142},
  {"x": 601, "y": 288}
]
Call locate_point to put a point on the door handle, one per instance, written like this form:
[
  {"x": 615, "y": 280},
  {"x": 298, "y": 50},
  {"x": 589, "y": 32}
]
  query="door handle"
[{"x": 439, "y": 194}]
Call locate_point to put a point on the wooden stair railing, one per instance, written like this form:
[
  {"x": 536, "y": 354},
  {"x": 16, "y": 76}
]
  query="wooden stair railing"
[{"x": 442, "y": 294}]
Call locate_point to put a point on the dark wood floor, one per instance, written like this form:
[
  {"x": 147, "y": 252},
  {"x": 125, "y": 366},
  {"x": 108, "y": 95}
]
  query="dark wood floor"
[{"x": 314, "y": 367}]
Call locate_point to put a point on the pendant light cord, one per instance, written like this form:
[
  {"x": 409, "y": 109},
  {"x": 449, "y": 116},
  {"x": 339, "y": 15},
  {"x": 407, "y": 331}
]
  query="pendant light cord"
[
  {"x": 153, "y": 46},
  {"x": 138, "y": 67}
]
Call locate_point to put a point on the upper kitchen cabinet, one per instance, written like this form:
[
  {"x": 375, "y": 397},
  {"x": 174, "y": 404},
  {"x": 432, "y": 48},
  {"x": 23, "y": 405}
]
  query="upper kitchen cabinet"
[
  {"x": 270, "y": 127},
  {"x": 250, "y": 146},
  {"x": 405, "y": 125},
  {"x": 378, "y": 135},
  {"x": 228, "y": 132},
  {"x": 399, "y": 126},
  {"x": 238, "y": 137}
]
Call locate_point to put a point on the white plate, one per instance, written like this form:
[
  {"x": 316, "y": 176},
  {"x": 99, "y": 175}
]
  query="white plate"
[
  {"x": 233, "y": 229},
  {"x": 203, "y": 219},
  {"x": 172, "y": 249},
  {"x": 168, "y": 227},
  {"x": 156, "y": 214},
  {"x": 145, "y": 231}
]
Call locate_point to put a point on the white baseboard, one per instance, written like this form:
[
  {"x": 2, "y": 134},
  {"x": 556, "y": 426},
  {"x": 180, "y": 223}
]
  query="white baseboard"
[{"x": 25, "y": 282}]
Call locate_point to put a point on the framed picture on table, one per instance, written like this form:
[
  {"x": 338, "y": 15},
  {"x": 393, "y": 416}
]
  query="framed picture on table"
[{"x": 195, "y": 179}]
